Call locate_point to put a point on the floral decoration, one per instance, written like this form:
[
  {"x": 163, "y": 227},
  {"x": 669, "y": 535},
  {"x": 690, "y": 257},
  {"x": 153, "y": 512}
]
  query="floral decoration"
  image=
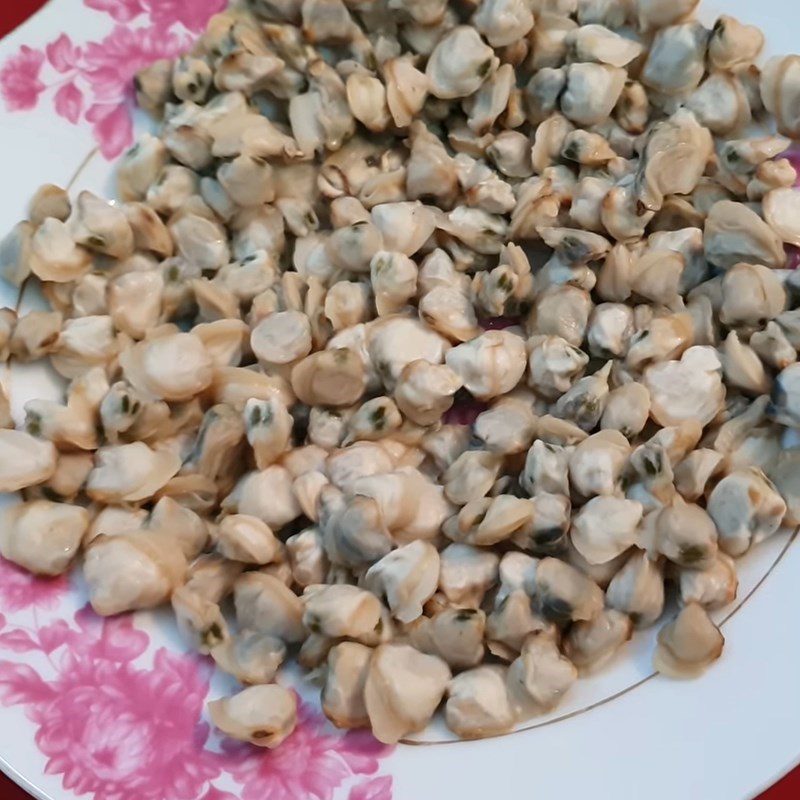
[
  {"x": 92, "y": 83},
  {"x": 115, "y": 729}
]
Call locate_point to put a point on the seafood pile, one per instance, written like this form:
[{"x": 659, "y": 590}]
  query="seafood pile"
[{"x": 430, "y": 343}]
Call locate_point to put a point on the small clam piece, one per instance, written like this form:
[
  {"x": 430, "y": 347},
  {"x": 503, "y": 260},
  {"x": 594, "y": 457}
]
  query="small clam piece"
[
  {"x": 605, "y": 528},
  {"x": 779, "y": 92},
  {"x": 343, "y": 693},
  {"x": 49, "y": 201},
  {"x": 563, "y": 593},
  {"x": 132, "y": 570},
  {"x": 201, "y": 241},
  {"x": 489, "y": 365},
  {"x": 539, "y": 678},
  {"x": 734, "y": 234},
  {"x": 450, "y": 312},
  {"x": 470, "y": 476},
  {"x": 100, "y": 226},
  {"x": 638, "y": 590},
  {"x": 546, "y": 468},
  {"x": 546, "y": 534},
  {"x": 627, "y": 409},
  {"x": 591, "y": 92},
  {"x": 693, "y": 474},
  {"x": 282, "y": 338},
  {"x": 261, "y": 715},
  {"x": 503, "y": 22},
  {"x": 130, "y": 472},
  {"x": 330, "y": 377},
  {"x": 35, "y": 335},
  {"x": 174, "y": 367},
  {"x": 355, "y": 535},
  {"x": 610, "y": 330},
  {"x": 54, "y": 254},
  {"x": 685, "y": 534},
  {"x": 265, "y": 604},
  {"x": 247, "y": 539},
  {"x": 402, "y": 690},
  {"x": 134, "y": 302},
  {"x": 688, "y": 644},
  {"x": 466, "y": 573},
  {"x": 453, "y": 634},
  {"x": 407, "y": 577},
  {"x": 15, "y": 253},
  {"x": 269, "y": 429},
  {"x": 266, "y": 494},
  {"x": 394, "y": 281},
  {"x": 487, "y": 521},
  {"x": 733, "y": 45},
  {"x": 478, "y": 704},
  {"x": 781, "y": 209},
  {"x": 598, "y": 43},
  {"x": 42, "y": 536},
  {"x": 674, "y": 159},
  {"x": 366, "y": 96},
  {"x": 459, "y": 63},
  {"x": 404, "y": 226},
  {"x": 712, "y": 587},
  {"x": 721, "y": 104},
  {"x": 583, "y": 403},
  {"x": 746, "y": 508},
  {"x": 250, "y": 657},
  {"x": 751, "y": 293},
  {"x": 691, "y": 388},
  {"x": 770, "y": 176},
  {"x": 406, "y": 89},
  {"x": 307, "y": 557},
  {"x": 507, "y": 427},
  {"x": 562, "y": 311},
  {"x": 676, "y": 61},
  {"x": 554, "y": 363},
  {"x": 375, "y": 419},
  {"x": 340, "y": 611},
  {"x": 784, "y": 472},
  {"x": 24, "y": 460},
  {"x": 742, "y": 367},
  {"x": 140, "y": 167},
  {"x": 596, "y": 463},
  {"x": 591, "y": 644}
]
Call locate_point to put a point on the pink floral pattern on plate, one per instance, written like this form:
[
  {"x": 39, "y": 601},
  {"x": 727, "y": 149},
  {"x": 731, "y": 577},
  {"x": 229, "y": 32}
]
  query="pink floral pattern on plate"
[
  {"x": 92, "y": 83},
  {"x": 116, "y": 730}
]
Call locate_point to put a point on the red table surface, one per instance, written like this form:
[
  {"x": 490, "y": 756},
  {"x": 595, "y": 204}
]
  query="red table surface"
[{"x": 12, "y": 14}]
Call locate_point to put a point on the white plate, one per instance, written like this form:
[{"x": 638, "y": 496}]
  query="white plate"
[{"x": 114, "y": 710}]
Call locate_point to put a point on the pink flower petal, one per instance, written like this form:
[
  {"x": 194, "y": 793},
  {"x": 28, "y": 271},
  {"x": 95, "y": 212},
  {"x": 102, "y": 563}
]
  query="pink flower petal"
[
  {"x": 54, "y": 635},
  {"x": 18, "y": 641},
  {"x": 62, "y": 54},
  {"x": 119, "y": 10},
  {"x": 19, "y": 589},
  {"x": 20, "y": 683},
  {"x": 68, "y": 102},
  {"x": 192, "y": 14},
  {"x": 379, "y": 788},
  {"x": 112, "y": 128},
  {"x": 20, "y": 86}
]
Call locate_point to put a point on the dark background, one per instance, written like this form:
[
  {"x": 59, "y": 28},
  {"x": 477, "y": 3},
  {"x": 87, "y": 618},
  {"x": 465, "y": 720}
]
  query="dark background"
[{"x": 12, "y": 14}]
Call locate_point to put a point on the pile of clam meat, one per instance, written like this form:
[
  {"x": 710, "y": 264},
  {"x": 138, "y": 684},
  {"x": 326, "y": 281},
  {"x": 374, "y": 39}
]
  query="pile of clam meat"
[{"x": 431, "y": 344}]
